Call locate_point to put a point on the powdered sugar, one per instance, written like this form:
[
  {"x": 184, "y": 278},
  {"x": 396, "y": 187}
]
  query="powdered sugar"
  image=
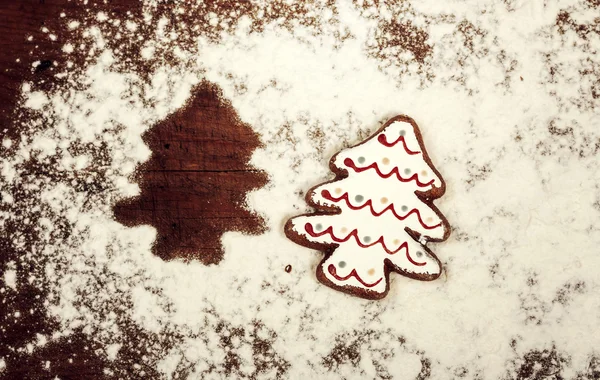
[{"x": 517, "y": 154}]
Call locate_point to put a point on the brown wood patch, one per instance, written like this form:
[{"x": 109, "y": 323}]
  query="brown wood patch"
[{"x": 194, "y": 185}]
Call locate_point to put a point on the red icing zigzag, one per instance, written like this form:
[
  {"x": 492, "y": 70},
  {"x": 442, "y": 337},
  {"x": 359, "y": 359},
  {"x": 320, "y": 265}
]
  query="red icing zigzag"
[
  {"x": 327, "y": 195},
  {"x": 331, "y": 269},
  {"x": 381, "y": 138},
  {"x": 348, "y": 162},
  {"x": 309, "y": 229}
]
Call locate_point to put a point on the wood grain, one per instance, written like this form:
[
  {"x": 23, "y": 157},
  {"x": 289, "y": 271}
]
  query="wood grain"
[
  {"x": 193, "y": 190},
  {"x": 195, "y": 184},
  {"x": 69, "y": 358},
  {"x": 194, "y": 187}
]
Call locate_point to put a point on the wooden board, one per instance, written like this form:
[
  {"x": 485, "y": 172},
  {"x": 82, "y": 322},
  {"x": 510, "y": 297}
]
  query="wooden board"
[
  {"x": 195, "y": 184},
  {"x": 193, "y": 189}
]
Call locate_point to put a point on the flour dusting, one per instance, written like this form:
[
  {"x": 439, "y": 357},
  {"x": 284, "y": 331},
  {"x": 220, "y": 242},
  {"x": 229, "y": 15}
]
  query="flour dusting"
[{"x": 507, "y": 98}]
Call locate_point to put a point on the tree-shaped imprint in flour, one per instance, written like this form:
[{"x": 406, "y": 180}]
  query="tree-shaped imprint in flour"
[
  {"x": 193, "y": 188},
  {"x": 377, "y": 215}
]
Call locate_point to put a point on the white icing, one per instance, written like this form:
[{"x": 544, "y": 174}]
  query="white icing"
[
  {"x": 397, "y": 194},
  {"x": 373, "y": 151},
  {"x": 387, "y": 226},
  {"x": 382, "y": 237},
  {"x": 363, "y": 260}
]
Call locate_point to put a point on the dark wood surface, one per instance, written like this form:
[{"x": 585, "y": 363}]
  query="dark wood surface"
[
  {"x": 195, "y": 184},
  {"x": 193, "y": 189},
  {"x": 69, "y": 358}
]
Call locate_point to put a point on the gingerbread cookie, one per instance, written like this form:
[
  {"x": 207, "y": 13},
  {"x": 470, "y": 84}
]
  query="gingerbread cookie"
[{"x": 377, "y": 215}]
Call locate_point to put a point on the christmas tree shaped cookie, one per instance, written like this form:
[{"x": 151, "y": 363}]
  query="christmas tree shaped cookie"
[{"x": 377, "y": 215}]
